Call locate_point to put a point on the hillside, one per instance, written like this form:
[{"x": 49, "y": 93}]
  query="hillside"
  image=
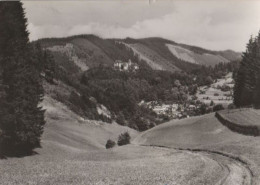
[
  {"x": 244, "y": 121},
  {"x": 153, "y": 59},
  {"x": 206, "y": 134},
  {"x": 73, "y": 152},
  {"x": 67, "y": 130},
  {"x": 182, "y": 55},
  {"x": 192, "y": 57},
  {"x": 87, "y": 51},
  {"x": 106, "y": 79}
]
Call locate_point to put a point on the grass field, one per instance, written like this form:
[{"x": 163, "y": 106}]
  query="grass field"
[
  {"x": 208, "y": 134},
  {"x": 247, "y": 117},
  {"x": 73, "y": 152}
]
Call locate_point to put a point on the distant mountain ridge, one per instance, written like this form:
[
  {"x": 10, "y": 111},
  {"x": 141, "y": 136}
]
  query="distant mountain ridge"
[
  {"x": 186, "y": 53},
  {"x": 82, "y": 52}
]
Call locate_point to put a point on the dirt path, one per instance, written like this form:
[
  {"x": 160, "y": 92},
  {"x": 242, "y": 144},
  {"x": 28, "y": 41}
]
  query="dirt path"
[{"x": 236, "y": 171}]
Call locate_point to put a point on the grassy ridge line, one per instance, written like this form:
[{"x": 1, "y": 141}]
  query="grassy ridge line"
[{"x": 251, "y": 130}]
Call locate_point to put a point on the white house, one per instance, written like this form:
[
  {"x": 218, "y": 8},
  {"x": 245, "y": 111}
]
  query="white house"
[{"x": 125, "y": 66}]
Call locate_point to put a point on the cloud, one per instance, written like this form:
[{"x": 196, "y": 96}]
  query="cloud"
[{"x": 213, "y": 25}]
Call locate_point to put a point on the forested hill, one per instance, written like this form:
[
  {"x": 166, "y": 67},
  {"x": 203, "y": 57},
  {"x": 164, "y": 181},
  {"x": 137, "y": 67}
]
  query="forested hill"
[
  {"x": 106, "y": 79},
  {"x": 89, "y": 51},
  {"x": 181, "y": 55}
]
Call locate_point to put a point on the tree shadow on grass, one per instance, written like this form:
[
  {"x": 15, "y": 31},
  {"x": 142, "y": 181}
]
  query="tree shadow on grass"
[{"x": 17, "y": 154}]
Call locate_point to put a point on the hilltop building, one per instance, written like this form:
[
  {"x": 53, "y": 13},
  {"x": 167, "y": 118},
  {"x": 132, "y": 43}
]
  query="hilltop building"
[{"x": 125, "y": 66}]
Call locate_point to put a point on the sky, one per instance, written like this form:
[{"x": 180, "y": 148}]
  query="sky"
[{"x": 215, "y": 25}]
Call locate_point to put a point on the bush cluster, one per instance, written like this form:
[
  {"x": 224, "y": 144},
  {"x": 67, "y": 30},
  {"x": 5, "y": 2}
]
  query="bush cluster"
[{"x": 123, "y": 139}]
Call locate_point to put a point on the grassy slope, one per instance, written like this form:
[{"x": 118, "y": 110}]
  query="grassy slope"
[
  {"x": 153, "y": 59},
  {"x": 73, "y": 153},
  {"x": 205, "y": 132},
  {"x": 201, "y": 59},
  {"x": 159, "y": 45},
  {"x": 66, "y": 128},
  {"x": 247, "y": 117}
]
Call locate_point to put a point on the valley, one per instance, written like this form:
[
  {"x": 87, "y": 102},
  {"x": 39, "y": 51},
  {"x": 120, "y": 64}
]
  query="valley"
[
  {"x": 89, "y": 73},
  {"x": 108, "y": 93},
  {"x": 101, "y": 88}
]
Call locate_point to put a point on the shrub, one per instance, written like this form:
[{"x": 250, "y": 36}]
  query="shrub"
[
  {"x": 121, "y": 118},
  {"x": 216, "y": 94},
  {"x": 208, "y": 80},
  {"x": 218, "y": 107},
  {"x": 203, "y": 108},
  {"x": 225, "y": 88},
  {"x": 231, "y": 106},
  {"x": 110, "y": 144},
  {"x": 105, "y": 118},
  {"x": 123, "y": 139}
]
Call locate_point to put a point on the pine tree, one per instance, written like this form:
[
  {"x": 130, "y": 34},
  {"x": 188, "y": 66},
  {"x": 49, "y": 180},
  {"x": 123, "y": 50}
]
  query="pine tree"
[
  {"x": 257, "y": 73},
  {"x": 21, "y": 118},
  {"x": 49, "y": 66},
  {"x": 247, "y": 82},
  {"x": 46, "y": 63},
  {"x": 239, "y": 81}
]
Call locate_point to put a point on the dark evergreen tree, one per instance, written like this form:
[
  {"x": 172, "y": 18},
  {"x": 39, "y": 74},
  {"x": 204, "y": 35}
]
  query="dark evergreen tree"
[
  {"x": 239, "y": 81},
  {"x": 21, "y": 117},
  {"x": 257, "y": 73},
  {"x": 49, "y": 66},
  {"x": 46, "y": 63},
  {"x": 247, "y": 79},
  {"x": 257, "y": 93}
]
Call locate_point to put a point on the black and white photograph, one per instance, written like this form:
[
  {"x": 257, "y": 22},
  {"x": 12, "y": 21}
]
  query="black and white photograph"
[{"x": 130, "y": 92}]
